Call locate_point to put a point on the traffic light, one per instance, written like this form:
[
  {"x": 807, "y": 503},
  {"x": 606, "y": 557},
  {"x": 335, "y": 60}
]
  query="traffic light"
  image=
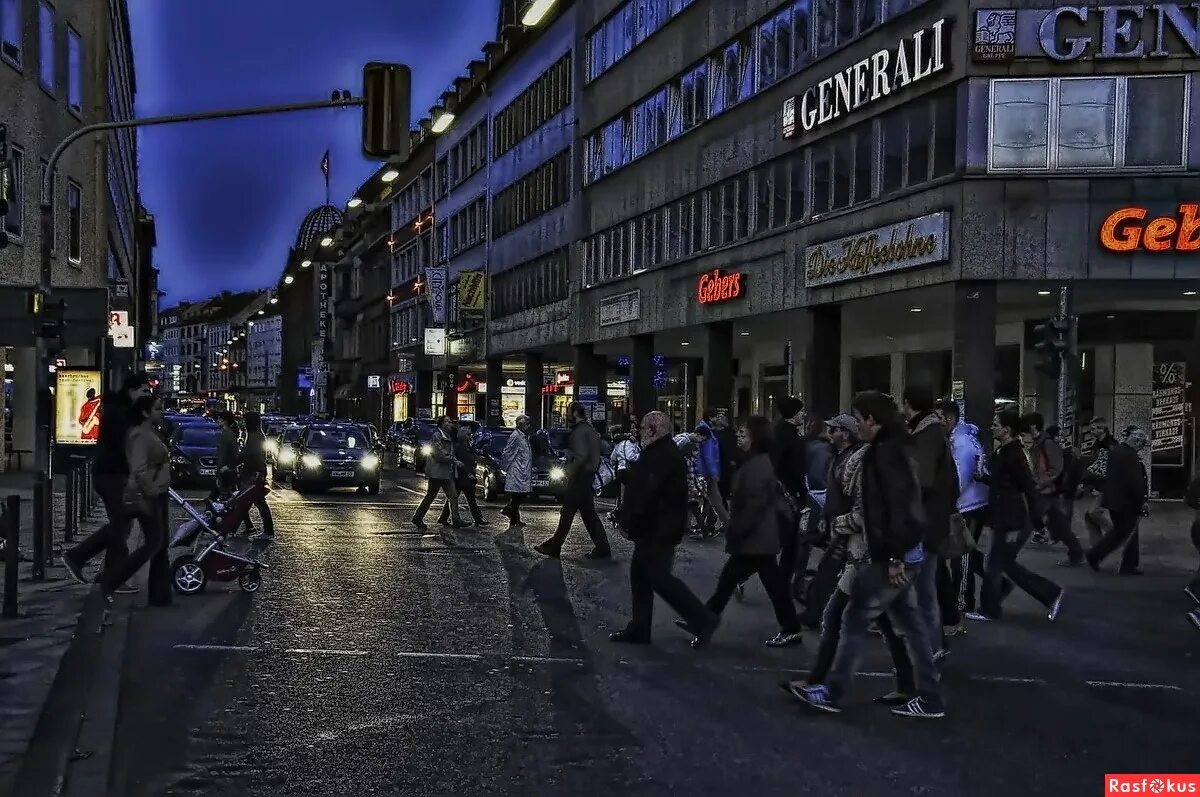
[
  {"x": 1054, "y": 345},
  {"x": 386, "y": 97}
]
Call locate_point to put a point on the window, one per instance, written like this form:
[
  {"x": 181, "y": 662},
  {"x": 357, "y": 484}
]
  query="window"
[
  {"x": 822, "y": 177},
  {"x": 918, "y": 144},
  {"x": 10, "y": 31},
  {"x": 1154, "y": 133},
  {"x": 534, "y": 283},
  {"x": 1086, "y": 122},
  {"x": 46, "y": 63},
  {"x": 945, "y": 136},
  {"x": 843, "y": 154},
  {"x": 74, "y": 71},
  {"x": 892, "y": 146},
  {"x": 798, "y": 182},
  {"x": 626, "y": 28},
  {"x": 864, "y": 164},
  {"x": 545, "y": 98},
  {"x": 543, "y": 189},
  {"x": 465, "y": 158},
  {"x": 75, "y": 222},
  {"x": 14, "y": 222}
]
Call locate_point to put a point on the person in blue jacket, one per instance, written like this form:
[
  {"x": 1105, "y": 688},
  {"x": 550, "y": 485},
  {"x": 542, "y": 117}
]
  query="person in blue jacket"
[
  {"x": 970, "y": 459},
  {"x": 709, "y": 461}
]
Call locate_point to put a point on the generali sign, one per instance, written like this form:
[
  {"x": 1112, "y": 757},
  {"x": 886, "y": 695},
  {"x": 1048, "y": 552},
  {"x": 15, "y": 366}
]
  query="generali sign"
[
  {"x": 1128, "y": 230},
  {"x": 1074, "y": 32},
  {"x": 909, "y": 244},
  {"x": 873, "y": 78}
]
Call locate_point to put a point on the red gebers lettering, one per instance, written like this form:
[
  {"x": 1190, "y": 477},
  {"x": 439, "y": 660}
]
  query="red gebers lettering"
[
  {"x": 1122, "y": 232},
  {"x": 714, "y": 287}
]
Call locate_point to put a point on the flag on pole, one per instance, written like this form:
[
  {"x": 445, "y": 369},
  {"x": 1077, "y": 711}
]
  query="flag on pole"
[{"x": 325, "y": 165}]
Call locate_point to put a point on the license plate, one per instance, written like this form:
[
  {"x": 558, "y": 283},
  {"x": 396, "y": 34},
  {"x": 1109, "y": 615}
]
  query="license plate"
[
  {"x": 208, "y": 471},
  {"x": 541, "y": 483},
  {"x": 343, "y": 474}
]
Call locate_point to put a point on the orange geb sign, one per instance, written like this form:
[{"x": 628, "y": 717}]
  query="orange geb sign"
[{"x": 1126, "y": 230}]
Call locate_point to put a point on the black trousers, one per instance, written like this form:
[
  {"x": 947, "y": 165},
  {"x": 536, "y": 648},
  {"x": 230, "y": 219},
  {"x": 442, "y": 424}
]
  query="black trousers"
[
  {"x": 512, "y": 510},
  {"x": 649, "y": 575},
  {"x": 1123, "y": 533},
  {"x": 1059, "y": 512},
  {"x": 1195, "y": 585},
  {"x": 738, "y": 568},
  {"x": 432, "y": 487},
  {"x": 964, "y": 569},
  {"x": 1001, "y": 562},
  {"x": 153, "y": 550},
  {"x": 112, "y": 537},
  {"x": 831, "y": 635},
  {"x": 466, "y": 490},
  {"x": 580, "y": 499},
  {"x": 264, "y": 511},
  {"x": 789, "y": 552},
  {"x": 947, "y": 595}
]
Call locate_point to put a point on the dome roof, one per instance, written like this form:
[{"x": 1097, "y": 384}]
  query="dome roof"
[{"x": 319, "y": 221}]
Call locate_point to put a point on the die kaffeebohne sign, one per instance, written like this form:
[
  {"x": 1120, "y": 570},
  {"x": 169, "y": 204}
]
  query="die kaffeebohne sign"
[{"x": 908, "y": 244}]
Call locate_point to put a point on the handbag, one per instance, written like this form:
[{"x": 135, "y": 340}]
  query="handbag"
[
  {"x": 133, "y": 500},
  {"x": 959, "y": 541}
]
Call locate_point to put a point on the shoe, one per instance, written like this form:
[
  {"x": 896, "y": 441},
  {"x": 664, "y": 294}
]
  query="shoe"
[
  {"x": 1040, "y": 538},
  {"x": 684, "y": 625},
  {"x": 920, "y": 708},
  {"x": 518, "y": 523},
  {"x": 785, "y": 640},
  {"x": 482, "y": 523},
  {"x": 1136, "y": 571},
  {"x": 1194, "y": 618},
  {"x": 740, "y": 592},
  {"x": 940, "y": 655},
  {"x": 628, "y": 637},
  {"x": 459, "y": 524},
  {"x": 420, "y": 525},
  {"x": 1070, "y": 563},
  {"x": 894, "y": 698},
  {"x": 73, "y": 570},
  {"x": 815, "y": 697},
  {"x": 978, "y": 617},
  {"x": 954, "y": 630},
  {"x": 1056, "y": 607},
  {"x": 1092, "y": 562},
  {"x": 545, "y": 549},
  {"x": 126, "y": 589},
  {"x": 1193, "y": 591},
  {"x": 263, "y": 535},
  {"x": 705, "y": 635},
  {"x": 596, "y": 553}
]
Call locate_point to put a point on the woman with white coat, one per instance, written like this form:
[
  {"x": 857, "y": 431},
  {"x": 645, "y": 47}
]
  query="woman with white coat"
[{"x": 517, "y": 461}]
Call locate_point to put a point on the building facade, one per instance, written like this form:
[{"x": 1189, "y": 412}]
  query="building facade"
[{"x": 264, "y": 359}]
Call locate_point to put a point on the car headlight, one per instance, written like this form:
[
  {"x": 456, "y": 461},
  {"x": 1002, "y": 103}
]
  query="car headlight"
[
  {"x": 426, "y": 450},
  {"x": 287, "y": 456},
  {"x": 180, "y": 461},
  {"x": 271, "y": 447},
  {"x": 370, "y": 462},
  {"x": 311, "y": 461},
  {"x": 557, "y": 474}
]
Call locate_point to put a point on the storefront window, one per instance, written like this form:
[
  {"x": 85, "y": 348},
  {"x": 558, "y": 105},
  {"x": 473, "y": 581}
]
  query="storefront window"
[
  {"x": 929, "y": 369},
  {"x": 871, "y": 373},
  {"x": 1008, "y": 372}
]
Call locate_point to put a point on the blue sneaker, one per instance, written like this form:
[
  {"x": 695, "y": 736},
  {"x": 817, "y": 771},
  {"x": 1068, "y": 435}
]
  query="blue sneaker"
[{"x": 815, "y": 696}]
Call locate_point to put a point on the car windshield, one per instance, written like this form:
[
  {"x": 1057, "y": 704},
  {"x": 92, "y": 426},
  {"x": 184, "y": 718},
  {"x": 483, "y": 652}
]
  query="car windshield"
[
  {"x": 292, "y": 435},
  {"x": 200, "y": 436},
  {"x": 560, "y": 439},
  {"x": 494, "y": 444},
  {"x": 349, "y": 437},
  {"x": 425, "y": 429}
]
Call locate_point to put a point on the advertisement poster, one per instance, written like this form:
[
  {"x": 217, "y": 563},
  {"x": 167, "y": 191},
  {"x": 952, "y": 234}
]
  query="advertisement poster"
[
  {"x": 77, "y": 407},
  {"x": 1167, "y": 414}
]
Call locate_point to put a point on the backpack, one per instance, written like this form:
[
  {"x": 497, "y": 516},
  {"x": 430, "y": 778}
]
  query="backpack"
[
  {"x": 1192, "y": 497},
  {"x": 604, "y": 475}
]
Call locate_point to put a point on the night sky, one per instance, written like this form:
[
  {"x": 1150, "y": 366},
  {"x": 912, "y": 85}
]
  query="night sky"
[{"x": 228, "y": 196}]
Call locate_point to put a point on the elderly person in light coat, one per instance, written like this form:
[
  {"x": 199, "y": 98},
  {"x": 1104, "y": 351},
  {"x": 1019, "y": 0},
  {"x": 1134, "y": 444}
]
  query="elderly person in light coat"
[
  {"x": 440, "y": 468},
  {"x": 517, "y": 461}
]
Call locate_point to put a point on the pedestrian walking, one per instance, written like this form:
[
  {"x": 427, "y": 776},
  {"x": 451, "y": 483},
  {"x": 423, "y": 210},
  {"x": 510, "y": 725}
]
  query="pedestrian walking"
[
  {"x": 1191, "y": 499},
  {"x": 625, "y": 452},
  {"x": 653, "y": 517},
  {"x": 1095, "y": 472},
  {"x": 110, "y": 470},
  {"x": 517, "y": 461},
  {"x": 1048, "y": 471},
  {"x": 970, "y": 461},
  {"x": 731, "y": 455},
  {"x": 791, "y": 464},
  {"x": 465, "y": 480},
  {"x": 759, "y": 510},
  {"x": 582, "y": 463},
  {"x": 894, "y": 526},
  {"x": 1124, "y": 497},
  {"x": 710, "y": 461},
  {"x": 1012, "y": 502},
  {"x": 254, "y": 469},
  {"x": 439, "y": 475},
  {"x": 145, "y": 498},
  {"x": 228, "y": 456}
]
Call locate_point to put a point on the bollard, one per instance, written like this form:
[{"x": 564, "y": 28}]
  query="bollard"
[
  {"x": 11, "y": 517},
  {"x": 39, "y": 540},
  {"x": 70, "y": 514},
  {"x": 81, "y": 496}
]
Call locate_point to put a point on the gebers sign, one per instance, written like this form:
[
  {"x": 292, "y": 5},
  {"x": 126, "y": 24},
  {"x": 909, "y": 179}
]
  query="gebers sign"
[
  {"x": 1127, "y": 230},
  {"x": 869, "y": 80},
  {"x": 716, "y": 286}
]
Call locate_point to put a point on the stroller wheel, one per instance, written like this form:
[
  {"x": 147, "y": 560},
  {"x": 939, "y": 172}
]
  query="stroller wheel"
[
  {"x": 250, "y": 581},
  {"x": 188, "y": 576}
]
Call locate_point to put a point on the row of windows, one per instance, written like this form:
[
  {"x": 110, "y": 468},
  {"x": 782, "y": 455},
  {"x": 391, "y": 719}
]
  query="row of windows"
[
  {"x": 14, "y": 222},
  {"x": 412, "y": 200},
  {"x": 544, "y": 99},
  {"x": 906, "y": 148},
  {"x": 465, "y": 229},
  {"x": 466, "y": 157},
  {"x": 408, "y": 262},
  {"x": 543, "y": 189},
  {"x": 626, "y": 28},
  {"x": 1094, "y": 123},
  {"x": 762, "y": 56},
  {"x": 406, "y": 325},
  {"x": 11, "y": 49},
  {"x": 532, "y": 284}
]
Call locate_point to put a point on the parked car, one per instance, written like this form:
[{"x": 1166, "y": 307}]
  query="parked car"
[
  {"x": 194, "y": 458},
  {"x": 391, "y": 438},
  {"x": 414, "y": 443},
  {"x": 549, "y": 472},
  {"x": 285, "y": 460},
  {"x": 336, "y": 455}
]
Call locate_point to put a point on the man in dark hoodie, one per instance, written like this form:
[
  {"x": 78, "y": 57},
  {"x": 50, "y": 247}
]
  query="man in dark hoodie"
[
  {"x": 790, "y": 461},
  {"x": 111, "y": 471}
]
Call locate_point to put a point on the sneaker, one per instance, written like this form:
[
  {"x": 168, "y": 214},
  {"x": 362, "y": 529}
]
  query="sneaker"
[
  {"x": 263, "y": 535},
  {"x": 74, "y": 570},
  {"x": 784, "y": 640},
  {"x": 954, "y": 630},
  {"x": 126, "y": 589},
  {"x": 545, "y": 549},
  {"x": 596, "y": 553},
  {"x": 1070, "y": 563},
  {"x": 703, "y": 636},
  {"x": 629, "y": 637},
  {"x": 418, "y": 524},
  {"x": 740, "y": 592},
  {"x": 1056, "y": 607},
  {"x": 1040, "y": 538},
  {"x": 940, "y": 655},
  {"x": 1193, "y": 591},
  {"x": 895, "y": 698},
  {"x": 1194, "y": 618},
  {"x": 815, "y": 697},
  {"x": 978, "y": 617},
  {"x": 920, "y": 708}
]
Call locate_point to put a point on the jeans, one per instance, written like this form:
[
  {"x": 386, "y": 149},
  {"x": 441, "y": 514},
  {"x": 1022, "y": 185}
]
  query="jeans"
[
  {"x": 927, "y": 600},
  {"x": 1124, "y": 532},
  {"x": 446, "y": 486},
  {"x": 112, "y": 536},
  {"x": 580, "y": 499},
  {"x": 467, "y": 490},
  {"x": 512, "y": 510},
  {"x": 872, "y": 594},
  {"x": 153, "y": 550},
  {"x": 650, "y": 574},
  {"x": 1002, "y": 561},
  {"x": 1059, "y": 512},
  {"x": 831, "y": 635},
  {"x": 738, "y": 568}
]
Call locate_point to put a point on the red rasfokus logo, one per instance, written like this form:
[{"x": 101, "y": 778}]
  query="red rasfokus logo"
[{"x": 1151, "y": 784}]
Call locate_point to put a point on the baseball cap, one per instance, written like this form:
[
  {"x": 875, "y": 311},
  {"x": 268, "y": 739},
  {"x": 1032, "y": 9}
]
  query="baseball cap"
[{"x": 847, "y": 422}]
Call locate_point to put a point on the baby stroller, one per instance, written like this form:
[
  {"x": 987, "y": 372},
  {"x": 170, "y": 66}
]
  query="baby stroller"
[{"x": 204, "y": 533}]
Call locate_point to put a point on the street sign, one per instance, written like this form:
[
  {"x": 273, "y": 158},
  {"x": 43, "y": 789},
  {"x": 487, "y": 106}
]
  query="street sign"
[
  {"x": 373, "y": 381},
  {"x": 119, "y": 329},
  {"x": 77, "y": 406},
  {"x": 435, "y": 278},
  {"x": 587, "y": 392},
  {"x": 435, "y": 341},
  {"x": 472, "y": 289}
]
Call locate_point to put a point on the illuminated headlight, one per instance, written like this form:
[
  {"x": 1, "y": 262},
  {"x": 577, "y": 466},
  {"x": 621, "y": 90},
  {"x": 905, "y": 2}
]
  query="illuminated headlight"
[
  {"x": 287, "y": 456},
  {"x": 557, "y": 474},
  {"x": 180, "y": 461},
  {"x": 271, "y": 447},
  {"x": 426, "y": 450},
  {"x": 370, "y": 462},
  {"x": 311, "y": 461}
]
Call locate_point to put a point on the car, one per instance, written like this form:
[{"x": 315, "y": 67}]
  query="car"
[
  {"x": 414, "y": 443},
  {"x": 549, "y": 466},
  {"x": 391, "y": 438},
  {"x": 336, "y": 455},
  {"x": 194, "y": 457},
  {"x": 285, "y": 460}
]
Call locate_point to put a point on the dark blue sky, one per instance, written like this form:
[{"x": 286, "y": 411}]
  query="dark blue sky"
[{"x": 228, "y": 196}]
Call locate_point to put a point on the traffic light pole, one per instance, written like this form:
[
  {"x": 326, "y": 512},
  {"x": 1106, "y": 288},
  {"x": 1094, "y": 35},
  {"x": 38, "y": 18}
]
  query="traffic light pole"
[
  {"x": 1065, "y": 397},
  {"x": 44, "y": 409}
]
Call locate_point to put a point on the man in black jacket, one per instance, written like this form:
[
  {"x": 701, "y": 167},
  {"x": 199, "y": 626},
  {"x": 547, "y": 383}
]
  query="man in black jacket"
[
  {"x": 788, "y": 455},
  {"x": 465, "y": 480},
  {"x": 1124, "y": 496},
  {"x": 894, "y": 525},
  {"x": 111, "y": 471},
  {"x": 580, "y": 497},
  {"x": 654, "y": 516}
]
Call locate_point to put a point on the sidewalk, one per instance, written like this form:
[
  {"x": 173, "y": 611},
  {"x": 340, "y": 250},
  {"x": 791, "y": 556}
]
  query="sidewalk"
[{"x": 33, "y": 644}]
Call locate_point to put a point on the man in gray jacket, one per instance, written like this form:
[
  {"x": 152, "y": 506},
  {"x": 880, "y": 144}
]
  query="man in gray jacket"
[
  {"x": 583, "y": 461},
  {"x": 439, "y": 475}
]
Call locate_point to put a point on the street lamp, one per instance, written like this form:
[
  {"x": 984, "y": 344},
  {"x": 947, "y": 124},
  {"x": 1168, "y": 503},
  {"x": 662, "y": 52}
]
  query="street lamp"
[
  {"x": 305, "y": 263},
  {"x": 389, "y": 176},
  {"x": 353, "y": 203},
  {"x": 275, "y": 299},
  {"x": 327, "y": 241},
  {"x": 289, "y": 279},
  {"x": 536, "y": 11},
  {"x": 442, "y": 122}
]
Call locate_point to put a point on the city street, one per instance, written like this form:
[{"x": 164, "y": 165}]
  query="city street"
[{"x": 378, "y": 659}]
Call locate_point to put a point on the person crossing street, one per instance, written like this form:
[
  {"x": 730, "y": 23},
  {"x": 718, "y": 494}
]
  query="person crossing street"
[{"x": 579, "y": 498}]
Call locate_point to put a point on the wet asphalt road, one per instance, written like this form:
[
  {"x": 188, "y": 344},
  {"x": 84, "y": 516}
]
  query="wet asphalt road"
[{"x": 379, "y": 660}]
